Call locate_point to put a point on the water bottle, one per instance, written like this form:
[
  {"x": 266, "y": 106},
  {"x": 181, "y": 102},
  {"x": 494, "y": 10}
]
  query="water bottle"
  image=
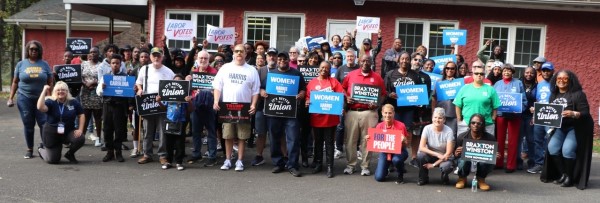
[{"x": 474, "y": 184}]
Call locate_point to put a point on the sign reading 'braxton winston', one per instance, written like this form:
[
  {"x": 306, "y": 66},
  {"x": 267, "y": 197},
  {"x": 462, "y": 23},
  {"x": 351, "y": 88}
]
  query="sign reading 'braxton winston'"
[
  {"x": 309, "y": 72},
  {"x": 68, "y": 73},
  {"x": 548, "y": 114},
  {"x": 202, "y": 80},
  {"x": 365, "y": 94},
  {"x": 479, "y": 150},
  {"x": 147, "y": 105},
  {"x": 281, "y": 106},
  {"x": 173, "y": 90},
  {"x": 232, "y": 112}
]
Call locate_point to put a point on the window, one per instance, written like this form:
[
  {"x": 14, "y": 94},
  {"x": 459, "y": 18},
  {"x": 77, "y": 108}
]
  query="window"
[
  {"x": 202, "y": 18},
  {"x": 424, "y": 32},
  {"x": 279, "y": 30},
  {"x": 521, "y": 43}
]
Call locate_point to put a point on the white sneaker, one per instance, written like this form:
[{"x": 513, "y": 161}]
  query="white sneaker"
[
  {"x": 219, "y": 146},
  {"x": 180, "y": 167},
  {"x": 93, "y": 136},
  {"x": 134, "y": 153},
  {"x": 365, "y": 172},
  {"x": 338, "y": 154},
  {"x": 456, "y": 171},
  {"x": 239, "y": 166},
  {"x": 235, "y": 148},
  {"x": 98, "y": 143},
  {"x": 226, "y": 165},
  {"x": 166, "y": 166},
  {"x": 358, "y": 155},
  {"x": 348, "y": 171}
]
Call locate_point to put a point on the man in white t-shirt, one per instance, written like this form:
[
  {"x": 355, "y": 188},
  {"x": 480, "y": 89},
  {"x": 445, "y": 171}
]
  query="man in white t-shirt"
[
  {"x": 242, "y": 85},
  {"x": 147, "y": 83}
]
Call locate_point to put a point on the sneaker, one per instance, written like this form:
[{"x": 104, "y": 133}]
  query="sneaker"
[
  {"x": 163, "y": 160},
  {"x": 71, "y": 157},
  {"x": 145, "y": 160},
  {"x": 219, "y": 146},
  {"x": 98, "y": 143},
  {"x": 166, "y": 166},
  {"x": 277, "y": 169},
  {"x": 365, "y": 172},
  {"x": 535, "y": 169},
  {"x": 349, "y": 171},
  {"x": 456, "y": 171},
  {"x": 295, "y": 172},
  {"x": 204, "y": 140},
  {"x": 194, "y": 160},
  {"x": 226, "y": 165},
  {"x": 134, "y": 153},
  {"x": 338, "y": 154},
  {"x": 180, "y": 167},
  {"x": 28, "y": 154},
  {"x": 210, "y": 162},
  {"x": 258, "y": 160},
  {"x": 205, "y": 154},
  {"x": 239, "y": 166},
  {"x": 358, "y": 155},
  {"x": 93, "y": 137},
  {"x": 414, "y": 163}
]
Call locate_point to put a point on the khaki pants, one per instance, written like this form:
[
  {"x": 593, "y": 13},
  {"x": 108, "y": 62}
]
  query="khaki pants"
[{"x": 357, "y": 124}]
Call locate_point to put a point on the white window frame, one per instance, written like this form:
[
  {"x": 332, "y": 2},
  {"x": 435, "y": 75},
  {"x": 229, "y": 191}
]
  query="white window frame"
[
  {"x": 194, "y": 14},
  {"x": 512, "y": 35},
  {"x": 426, "y": 25},
  {"x": 274, "y": 16}
]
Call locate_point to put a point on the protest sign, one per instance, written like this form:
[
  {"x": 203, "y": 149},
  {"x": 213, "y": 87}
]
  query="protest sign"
[
  {"x": 202, "y": 80},
  {"x": 480, "y": 151},
  {"x": 365, "y": 94},
  {"x": 147, "y": 105},
  {"x": 180, "y": 29},
  {"x": 331, "y": 103},
  {"x": 119, "y": 85},
  {"x": 309, "y": 72},
  {"x": 367, "y": 24},
  {"x": 280, "y": 106},
  {"x": 548, "y": 114},
  {"x": 440, "y": 62},
  {"x": 385, "y": 141},
  {"x": 312, "y": 43},
  {"x": 434, "y": 78},
  {"x": 232, "y": 112},
  {"x": 281, "y": 84},
  {"x": 447, "y": 89},
  {"x": 510, "y": 102},
  {"x": 173, "y": 90},
  {"x": 458, "y": 37},
  {"x": 218, "y": 35},
  {"x": 70, "y": 73},
  {"x": 412, "y": 95},
  {"x": 79, "y": 46}
]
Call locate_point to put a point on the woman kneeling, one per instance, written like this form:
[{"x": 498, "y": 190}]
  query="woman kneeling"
[{"x": 435, "y": 148}]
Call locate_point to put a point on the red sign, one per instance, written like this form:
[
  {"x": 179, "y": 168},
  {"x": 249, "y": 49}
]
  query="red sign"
[{"x": 387, "y": 141}]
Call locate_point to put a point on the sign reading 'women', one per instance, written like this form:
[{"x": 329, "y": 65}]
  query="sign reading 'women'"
[
  {"x": 326, "y": 103},
  {"x": 281, "y": 84}
]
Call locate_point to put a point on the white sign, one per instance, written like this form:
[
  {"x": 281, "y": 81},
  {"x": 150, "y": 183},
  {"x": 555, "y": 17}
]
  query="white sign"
[
  {"x": 218, "y": 35},
  {"x": 367, "y": 24},
  {"x": 180, "y": 29}
]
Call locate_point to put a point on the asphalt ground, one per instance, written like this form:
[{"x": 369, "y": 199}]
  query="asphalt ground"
[{"x": 32, "y": 180}]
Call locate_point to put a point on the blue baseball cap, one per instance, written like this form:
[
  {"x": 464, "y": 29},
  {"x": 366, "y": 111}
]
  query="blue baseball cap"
[{"x": 548, "y": 65}]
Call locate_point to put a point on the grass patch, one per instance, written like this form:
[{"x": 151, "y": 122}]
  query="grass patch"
[
  {"x": 4, "y": 95},
  {"x": 596, "y": 146}
]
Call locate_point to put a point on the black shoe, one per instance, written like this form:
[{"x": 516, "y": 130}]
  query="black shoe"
[
  {"x": 68, "y": 145},
  {"x": 318, "y": 168},
  {"x": 305, "y": 164},
  {"x": 71, "y": 157},
  {"x": 414, "y": 163},
  {"x": 400, "y": 179},
  {"x": 103, "y": 148},
  {"x": 561, "y": 179},
  {"x": 194, "y": 160},
  {"x": 124, "y": 147},
  {"x": 119, "y": 156},
  {"x": 295, "y": 172},
  {"x": 422, "y": 182},
  {"x": 445, "y": 179},
  {"x": 110, "y": 155},
  {"x": 277, "y": 169},
  {"x": 210, "y": 162},
  {"x": 329, "y": 172}
]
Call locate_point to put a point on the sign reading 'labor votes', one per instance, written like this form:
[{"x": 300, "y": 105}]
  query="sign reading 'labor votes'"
[
  {"x": 440, "y": 62},
  {"x": 458, "y": 37},
  {"x": 68, "y": 73},
  {"x": 218, "y": 35},
  {"x": 331, "y": 103},
  {"x": 309, "y": 72},
  {"x": 79, "y": 46},
  {"x": 119, "y": 85},
  {"x": 386, "y": 141},
  {"x": 232, "y": 112},
  {"x": 481, "y": 151},
  {"x": 173, "y": 90},
  {"x": 365, "y": 94},
  {"x": 147, "y": 105},
  {"x": 281, "y": 84},
  {"x": 447, "y": 89},
  {"x": 281, "y": 106},
  {"x": 202, "y": 80},
  {"x": 510, "y": 102},
  {"x": 180, "y": 29},
  {"x": 547, "y": 114},
  {"x": 412, "y": 95},
  {"x": 367, "y": 24}
]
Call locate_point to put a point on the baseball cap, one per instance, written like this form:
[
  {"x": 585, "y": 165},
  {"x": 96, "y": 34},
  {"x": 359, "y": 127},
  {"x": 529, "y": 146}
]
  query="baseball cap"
[
  {"x": 284, "y": 55},
  {"x": 156, "y": 50},
  {"x": 540, "y": 59},
  {"x": 548, "y": 65},
  {"x": 272, "y": 50},
  {"x": 367, "y": 41},
  {"x": 498, "y": 64}
]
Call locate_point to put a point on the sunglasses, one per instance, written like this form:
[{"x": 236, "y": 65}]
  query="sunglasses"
[
  {"x": 476, "y": 123},
  {"x": 478, "y": 73},
  {"x": 449, "y": 68},
  {"x": 238, "y": 51},
  {"x": 337, "y": 58},
  {"x": 564, "y": 79},
  {"x": 301, "y": 60},
  {"x": 34, "y": 49},
  {"x": 419, "y": 60}
]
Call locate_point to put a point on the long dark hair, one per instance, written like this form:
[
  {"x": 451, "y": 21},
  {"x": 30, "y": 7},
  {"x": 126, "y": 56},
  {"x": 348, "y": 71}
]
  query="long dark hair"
[
  {"x": 39, "y": 46},
  {"x": 573, "y": 84},
  {"x": 444, "y": 70}
]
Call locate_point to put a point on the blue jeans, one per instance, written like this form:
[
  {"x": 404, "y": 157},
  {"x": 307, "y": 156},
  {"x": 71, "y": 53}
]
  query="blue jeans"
[
  {"x": 539, "y": 139},
  {"x": 528, "y": 146},
  {"x": 29, "y": 115},
  {"x": 483, "y": 169},
  {"x": 339, "y": 135},
  {"x": 290, "y": 128},
  {"x": 204, "y": 118},
  {"x": 383, "y": 164},
  {"x": 563, "y": 142}
]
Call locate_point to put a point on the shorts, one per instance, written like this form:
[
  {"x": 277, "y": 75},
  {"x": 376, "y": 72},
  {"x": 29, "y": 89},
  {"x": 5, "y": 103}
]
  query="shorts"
[
  {"x": 236, "y": 130},
  {"x": 260, "y": 123}
]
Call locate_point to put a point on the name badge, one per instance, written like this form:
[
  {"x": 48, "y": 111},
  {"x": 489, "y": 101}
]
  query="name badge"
[{"x": 61, "y": 128}]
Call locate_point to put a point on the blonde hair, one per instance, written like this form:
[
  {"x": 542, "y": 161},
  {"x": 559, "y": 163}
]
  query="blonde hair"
[
  {"x": 57, "y": 86},
  {"x": 387, "y": 106}
]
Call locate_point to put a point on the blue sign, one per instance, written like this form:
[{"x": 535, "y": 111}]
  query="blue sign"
[
  {"x": 312, "y": 43},
  {"x": 447, "y": 89},
  {"x": 412, "y": 95},
  {"x": 119, "y": 85},
  {"x": 510, "y": 102},
  {"x": 281, "y": 84},
  {"x": 458, "y": 37},
  {"x": 440, "y": 62},
  {"x": 326, "y": 103},
  {"x": 434, "y": 78}
]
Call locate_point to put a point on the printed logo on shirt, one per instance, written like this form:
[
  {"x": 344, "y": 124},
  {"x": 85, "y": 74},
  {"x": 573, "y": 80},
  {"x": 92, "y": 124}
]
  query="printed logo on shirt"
[
  {"x": 328, "y": 89},
  {"x": 34, "y": 71},
  {"x": 403, "y": 81},
  {"x": 70, "y": 107},
  {"x": 562, "y": 101},
  {"x": 485, "y": 94},
  {"x": 237, "y": 78}
]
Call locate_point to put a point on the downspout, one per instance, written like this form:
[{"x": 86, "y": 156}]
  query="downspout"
[{"x": 152, "y": 21}]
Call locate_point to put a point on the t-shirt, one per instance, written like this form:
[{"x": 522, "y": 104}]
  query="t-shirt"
[
  {"x": 237, "y": 83},
  {"x": 574, "y": 101},
  {"x": 154, "y": 77},
  {"x": 543, "y": 92},
  {"x": 480, "y": 100},
  {"x": 32, "y": 77},
  {"x": 394, "y": 78},
  {"x": 343, "y": 71},
  {"x": 437, "y": 141},
  {"x": 329, "y": 85},
  {"x": 70, "y": 111}
]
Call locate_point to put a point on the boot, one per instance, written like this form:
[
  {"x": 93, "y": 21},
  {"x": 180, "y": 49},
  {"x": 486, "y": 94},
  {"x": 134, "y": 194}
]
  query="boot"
[
  {"x": 569, "y": 165},
  {"x": 460, "y": 183},
  {"x": 483, "y": 186},
  {"x": 329, "y": 148},
  {"x": 318, "y": 157},
  {"x": 558, "y": 162},
  {"x": 423, "y": 176},
  {"x": 119, "y": 155},
  {"x": 110, "y": 155}
]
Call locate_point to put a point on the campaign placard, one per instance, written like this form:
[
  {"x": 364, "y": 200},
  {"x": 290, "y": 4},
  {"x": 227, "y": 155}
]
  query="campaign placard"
[
  {"x": 510, "y": 102},
  {"x": 119, "y": 85},
  {"x": 440, "y": 62},
  {"x": 280, "y": 106},
  {"x": 547, "y": 114},
  {"x": 481, "y": 151},
  {"x": 147, "y": 105},
  {"x": 309, "y": 72},
  {"x": 173, "y": 90},
  {"x": 69, "y": 73},
  {"x": 79, "y": 46},
  {"x": 218, "y": 35},
  {"x": 367, "y": 24},
  {"x": 447, "y": 89},
  {"x": 232, "y": 112},
  {"x": 385, "y": 141},
  {"x": 180, "y": 29},
  {"x": 281, "y": 84},
  {"x": 202, "y": 80},
  {"x": 312, "y": 43},
  {"x": 331, "y": 103},
  {"x": 458, "y": 37},
  {"x": 365, "y": 94},
  {"x": 412, "y": 95},
  {"x": 434, "y": 78}
]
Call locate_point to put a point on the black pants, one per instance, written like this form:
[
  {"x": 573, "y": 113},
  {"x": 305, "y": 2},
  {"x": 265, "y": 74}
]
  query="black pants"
[
  {"x": 53, "y": 141},
  {"x": 305, "y": 131},
  {"x": 326, "y": 135},
  {"x": 175, "y": 146},
  {"x": 115, "y": 124}
]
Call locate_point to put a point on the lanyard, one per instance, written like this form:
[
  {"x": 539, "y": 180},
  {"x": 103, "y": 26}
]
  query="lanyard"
[{"x": 61, "y": 109}]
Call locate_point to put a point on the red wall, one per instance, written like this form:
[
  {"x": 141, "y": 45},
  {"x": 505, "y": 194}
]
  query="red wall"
[
  {"x": 571, "y": 37},
  {"x": 53, "y": 41}
]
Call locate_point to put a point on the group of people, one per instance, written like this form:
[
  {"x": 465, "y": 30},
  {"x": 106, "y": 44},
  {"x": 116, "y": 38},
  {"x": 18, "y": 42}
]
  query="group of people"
[{"x": 434, "y": 132}]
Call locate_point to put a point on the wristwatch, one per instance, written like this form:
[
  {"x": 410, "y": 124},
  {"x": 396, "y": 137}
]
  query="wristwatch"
[{"x": 434, "y": 164}]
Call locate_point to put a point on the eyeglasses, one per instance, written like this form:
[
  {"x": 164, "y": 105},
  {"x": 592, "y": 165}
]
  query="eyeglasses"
[
  {"x": 478, "y": 73},
  {"x": 291, "y": 52},
  {"x": 477, "y": 66},
  {"x": 34, "y": 49},
  {"x": 419, "y": 60},
  {"x": 301, "y": 60},
  {"x": 238, "y": 51},
  {"x": 337, "y": 58},
  {"x": 281, "y": 59},
  {"x": 202, "y": 58},
  {"x": 564, "y": 79},
  {"x": 476, "y": 123}
]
